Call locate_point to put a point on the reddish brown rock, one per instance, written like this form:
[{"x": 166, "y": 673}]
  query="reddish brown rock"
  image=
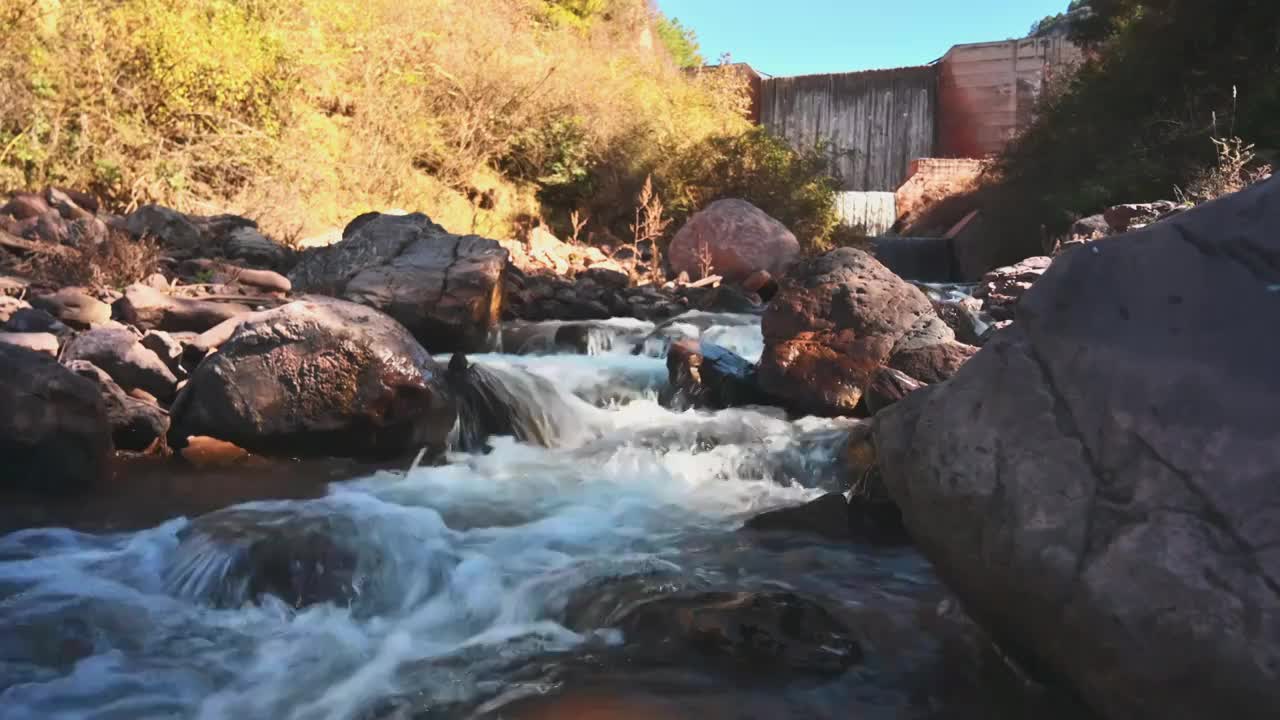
[
  {"x": 833, "y": 326},
  {"x": 1003, "y": 287},
  {"x": 732, "y": 238},
  {"x": 932, "y": 363},
  {"x": 22, "y": 206},
  {"x": 888, "y": 387}
]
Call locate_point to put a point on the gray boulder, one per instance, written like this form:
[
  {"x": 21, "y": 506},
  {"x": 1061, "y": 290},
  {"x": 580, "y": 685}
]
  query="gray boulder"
[
  {"x": 1100, "y": 485},
  {"x": 447, "y": 289}
]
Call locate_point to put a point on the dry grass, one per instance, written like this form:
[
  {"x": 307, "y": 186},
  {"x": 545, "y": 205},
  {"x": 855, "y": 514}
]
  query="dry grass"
[
  {"x": 1237, "y": 168},
  {"x": 305, "y": 113},
  {"x": 116, "y": 262}
]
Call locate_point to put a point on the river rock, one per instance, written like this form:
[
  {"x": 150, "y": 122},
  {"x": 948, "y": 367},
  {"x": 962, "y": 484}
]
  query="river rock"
[
  {"x": 752, "y": 632},
  {"x": 119, "y": 351},
  {"x": 888, "y": 386},
  {"x": 1099, "y": 484},
  {"x": 188, "y": 234},
  {"x": 322, "y": 377},
  {"x": 75, "y": 307},
  {"x": 136, "y": 425},
  {"x": 736, "y": 238},
  {"x": 148, "y": 308},
  {"x": 43, "y": 342},
  {"x": 827, "y": 517},
  {"x": 1001, "y": 288},
  {"x": 705, "y": 375},
  {"x": 298, "y": 559},
  {"x": 932, "y": 363},
  {"x": 447, "y": 289},
  {"x": 167, "y": 348},
  {"x": 834, "y": 325},
  {"x": 32, "y": 320},
  {"x": 54, "y": 434}
]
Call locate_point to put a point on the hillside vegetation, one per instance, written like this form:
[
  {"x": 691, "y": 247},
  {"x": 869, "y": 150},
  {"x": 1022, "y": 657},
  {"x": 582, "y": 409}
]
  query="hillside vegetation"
[
  {"x": 1138, "y": 121},
  {"x": 303, "y": 113}
]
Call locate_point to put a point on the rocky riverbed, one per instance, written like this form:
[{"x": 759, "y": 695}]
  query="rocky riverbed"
[{"x": 409, "y": 475}]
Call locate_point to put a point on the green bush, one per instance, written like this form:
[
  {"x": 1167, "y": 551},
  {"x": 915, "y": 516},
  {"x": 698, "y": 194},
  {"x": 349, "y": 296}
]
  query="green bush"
[
  {"x": 681, "y": 42},
  {"x": 795, "y": 187}
]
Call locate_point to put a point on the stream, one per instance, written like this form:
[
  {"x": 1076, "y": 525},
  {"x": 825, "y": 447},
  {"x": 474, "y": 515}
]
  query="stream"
[{"x": 496, "y": 583}]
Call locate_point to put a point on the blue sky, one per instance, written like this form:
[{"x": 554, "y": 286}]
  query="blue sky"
[{"x": 797, "y": 37}]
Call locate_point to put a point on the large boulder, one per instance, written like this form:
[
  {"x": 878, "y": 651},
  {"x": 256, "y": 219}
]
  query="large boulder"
[
  {"x": 840, "y": 319},
  {"x": 54, "y": 435},
  {"x": 447, "y": 289},
  {"x": 734, "y": 239},
  {"x": 1100, "y": 484},
  {"x": 323, "y": 377}
]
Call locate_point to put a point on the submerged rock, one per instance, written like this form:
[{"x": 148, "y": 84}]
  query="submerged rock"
[
  {"x": 506, "y": 403},
  {"x": 322, "y": 377},
  {"x": 446, "y": 289},
  {"x": 232, "y": 557},
  {"x": 1099, "y": 484},
  {"x": 758, "y": 633},
  {"x": 54, "y": 434}
]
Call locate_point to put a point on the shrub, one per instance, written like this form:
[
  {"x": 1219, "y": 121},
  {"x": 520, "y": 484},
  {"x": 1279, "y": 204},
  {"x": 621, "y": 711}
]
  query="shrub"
[
  {"x": 1136, "y": 119},
  {"x": 795, "y": 187}
]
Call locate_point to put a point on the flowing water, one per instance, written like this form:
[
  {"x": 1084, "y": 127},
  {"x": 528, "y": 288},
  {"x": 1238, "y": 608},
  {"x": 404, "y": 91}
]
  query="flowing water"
[{"x": 474, "y": 588}]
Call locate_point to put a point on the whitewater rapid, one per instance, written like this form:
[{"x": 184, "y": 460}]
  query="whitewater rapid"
[{"x": 455, "y": 578}]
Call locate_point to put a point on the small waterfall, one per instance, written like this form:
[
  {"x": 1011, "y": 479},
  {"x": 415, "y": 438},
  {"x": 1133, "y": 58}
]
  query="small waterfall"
[{"x": 512, "y": 402}]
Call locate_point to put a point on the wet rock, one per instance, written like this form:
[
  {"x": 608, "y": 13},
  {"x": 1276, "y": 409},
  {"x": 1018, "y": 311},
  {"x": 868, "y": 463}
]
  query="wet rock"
[
  {"x": 321, "y": 378},
  {"x": 447, "y": 289},
  {"x": 497, "y": 403},
  {"x": 705, "y": 375},
  {"x": 254, "y": 553},
  {"x": 964, "y": 317},
  {"x": 145, "y": 307},
  {"x": 119, "y": 351},
  {"x": 751, "y": 632},
  {"x": 888, "y": 387},
  {"x": 732, "y": 238},
  {"x": 75, "y": 307},
  {"x": 1001, "y": 288},
  {"x": 827, "y": 516},
  {"x": 136, "y": 425},
  {"x": 54, "y": 434},
  {"x": 834, "y": 325},
  {"x": 41, "y": 342},
  {"x": 1098, "y": 484}
]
